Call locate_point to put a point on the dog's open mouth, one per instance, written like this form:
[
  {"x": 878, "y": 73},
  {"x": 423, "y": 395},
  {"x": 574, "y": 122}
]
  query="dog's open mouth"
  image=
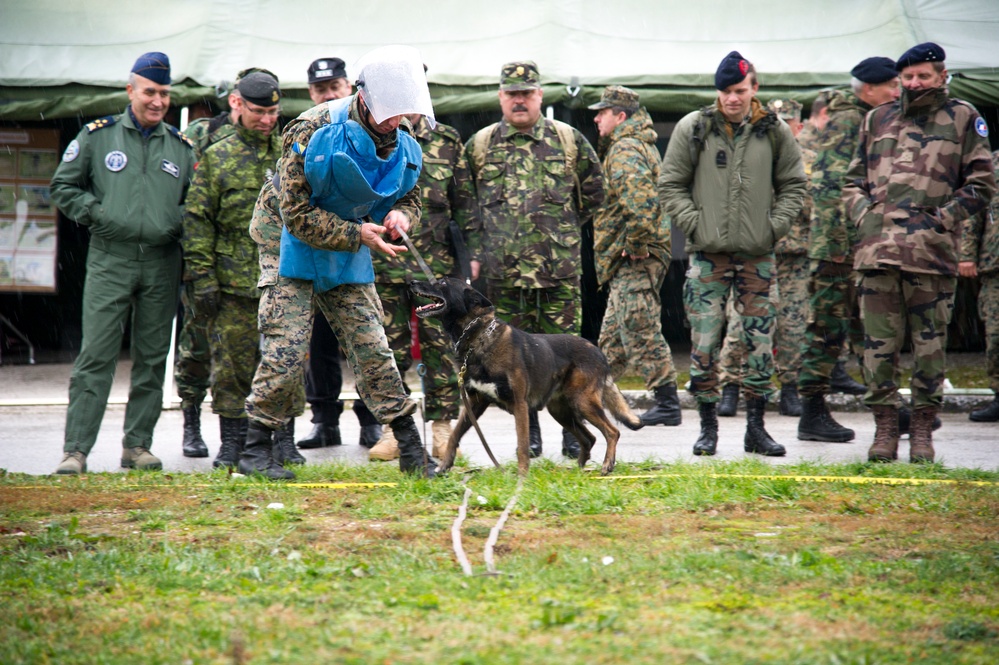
[{"x": 435, "y": 307}]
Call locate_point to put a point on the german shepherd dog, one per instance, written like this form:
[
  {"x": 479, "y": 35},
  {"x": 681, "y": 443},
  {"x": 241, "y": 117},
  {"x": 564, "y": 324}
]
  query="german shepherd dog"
[{"x": 500, "y": 364}]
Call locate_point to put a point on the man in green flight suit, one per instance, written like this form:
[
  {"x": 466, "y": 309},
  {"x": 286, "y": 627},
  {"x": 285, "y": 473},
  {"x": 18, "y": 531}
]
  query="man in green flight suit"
[{"x": 125, "y": 177}]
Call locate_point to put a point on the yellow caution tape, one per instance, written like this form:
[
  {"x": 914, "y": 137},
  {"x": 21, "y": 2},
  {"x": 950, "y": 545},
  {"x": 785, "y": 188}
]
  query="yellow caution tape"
[{"x": 855, "y": 480}]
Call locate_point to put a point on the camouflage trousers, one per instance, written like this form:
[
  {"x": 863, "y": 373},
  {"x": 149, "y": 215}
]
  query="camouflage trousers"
[
  {"x": 790, "y": 299},
  {"x": 631, "y": 335},
  {"x": 889, "y": 299},
  {"x": 192, "y": 368},
  {"x": 834, "y": 321},
  {"x": 988, "y": 311},
  {"x": 440, "y": 382},
  {"x": 355, "y": 314},
  {"x": 235, "y": 345},
  {"x": 552, "y": 310},
  {"x": 711, "y": 280}
]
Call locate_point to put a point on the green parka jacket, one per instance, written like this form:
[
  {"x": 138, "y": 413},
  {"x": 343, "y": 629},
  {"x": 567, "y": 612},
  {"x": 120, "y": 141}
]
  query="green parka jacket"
[{"x": 734, "y": 194}]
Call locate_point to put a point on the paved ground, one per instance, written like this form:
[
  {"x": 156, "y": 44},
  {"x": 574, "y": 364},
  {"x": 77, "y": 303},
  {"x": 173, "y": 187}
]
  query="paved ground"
[{"x": 32, "y": 417}]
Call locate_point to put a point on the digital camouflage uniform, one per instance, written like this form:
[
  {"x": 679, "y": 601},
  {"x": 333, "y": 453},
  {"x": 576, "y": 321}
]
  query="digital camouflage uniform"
[
  {"x": 832, "y": 286},
  {"x": 922, "y": 167},
  {"x": 192, "y": 367},
  {"x": 731, "y": 231},
  {"x": 631, "y": 221},
  {"x": 444, "y": 186},
  {"x": 220, "y": 255},
  {"x": 789, "y": 296},
  {"x": 354, "y": 311},
  {"x": 980, "y": 243},
  {"x": 527, "y": 235}
]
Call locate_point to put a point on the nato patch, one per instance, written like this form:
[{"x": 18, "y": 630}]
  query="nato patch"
[
  {"x": 981, "y": 127},
  {"x": 170, "y": 168},
  {"x": 72, "y": 151},
  {"x": 115, "y": 161}
]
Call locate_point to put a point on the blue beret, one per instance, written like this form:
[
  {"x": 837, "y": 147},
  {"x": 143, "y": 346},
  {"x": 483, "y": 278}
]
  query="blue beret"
[
  {"x": 925, "y": 52},
  {"x": 154, "y": 66},
  {"x": 732, "y": 70},
  {"x": 875, "y": 70}
]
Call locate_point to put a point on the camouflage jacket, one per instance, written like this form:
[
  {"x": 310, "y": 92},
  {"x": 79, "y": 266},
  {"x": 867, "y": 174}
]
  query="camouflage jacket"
[
  {"x": 527, "y": 233},
  {"x": 265, "y": 229},
  {"x": 313, "y": 225},
  {"x": 444, "y": 186},
  {"x": 980, "y": 236},
  {"x": 831, "y": 237},
  {"x": 204, "y": 132},
  {"x": 732, "y": 188},
  {"x": 796, "y": 240},
  {"x": 218, "y": 251},
  {"x": 920, "y": 170},
  {"x": 630, "y": 219}
]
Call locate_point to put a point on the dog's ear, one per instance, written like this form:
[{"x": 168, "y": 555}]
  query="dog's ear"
[{"x": 474, "y": 299}]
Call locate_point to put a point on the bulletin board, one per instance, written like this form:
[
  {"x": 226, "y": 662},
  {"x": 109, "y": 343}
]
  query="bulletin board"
[{"x": 28, "y": 219}]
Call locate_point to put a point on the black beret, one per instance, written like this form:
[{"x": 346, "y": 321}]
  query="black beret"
[
  {"x": 732, "y": 70},
  {"x": 260, "y": 89},
  {"x": 154, "y": 66},
  {"x": 925, "y": 52},
  {"x": 327, "y": 69},
  {"x": 874, "y": 70}
]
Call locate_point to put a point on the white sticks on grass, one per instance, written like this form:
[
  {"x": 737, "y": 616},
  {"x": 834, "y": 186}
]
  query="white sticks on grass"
[{"x": 487, "y": 553}]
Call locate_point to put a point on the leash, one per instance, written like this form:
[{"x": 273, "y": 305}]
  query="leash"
[{"x": 419, "y": 259}]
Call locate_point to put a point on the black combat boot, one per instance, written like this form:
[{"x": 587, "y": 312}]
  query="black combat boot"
[
  {"x": 193, "y": 445},
  {"x": 729, "y": 404},
  {"x": 285, "y": 451},
  {"x": 570, "y": 447},
  {"x": 321, "y": 436},
  {"x": 534, "y": 428},
  {"x": 757, "y": 439},
  {"x": 905, "y": 418},
  {"x": 987, "y": 414},
  {"x": 817, "y": 424},
  {"x": 258, "y": 455},
  {"x": 790, "y": 403},
  {"x": 413, "y": 457},
  {"x": 841, "y": 382},
  {"x": 667, "y": 407},
  {"x": 370, "y": 435},
  {"x": 232, "y": 434},
  {"x": 707, "y": 443}
]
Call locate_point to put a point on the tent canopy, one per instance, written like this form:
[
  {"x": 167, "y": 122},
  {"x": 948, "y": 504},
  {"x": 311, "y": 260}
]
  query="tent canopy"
[{"x": 59, "y": 58}]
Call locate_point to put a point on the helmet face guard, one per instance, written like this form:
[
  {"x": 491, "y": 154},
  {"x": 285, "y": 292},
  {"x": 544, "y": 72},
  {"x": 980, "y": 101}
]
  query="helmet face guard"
[{"x": 393, "y": 82}]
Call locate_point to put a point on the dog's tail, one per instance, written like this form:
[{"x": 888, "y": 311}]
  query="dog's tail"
[{"x": 615, "y": 403}]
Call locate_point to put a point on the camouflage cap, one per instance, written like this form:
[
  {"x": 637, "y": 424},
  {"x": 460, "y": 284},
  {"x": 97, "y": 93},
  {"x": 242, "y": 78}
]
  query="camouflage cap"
[
  {"x": 520, "y": 75},
  {"x": 786, "y": 109},
  {"x": 617, "y": 96}
]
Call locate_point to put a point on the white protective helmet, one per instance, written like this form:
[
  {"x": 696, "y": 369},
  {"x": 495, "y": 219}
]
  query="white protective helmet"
[{"x": 393, "y": 82}]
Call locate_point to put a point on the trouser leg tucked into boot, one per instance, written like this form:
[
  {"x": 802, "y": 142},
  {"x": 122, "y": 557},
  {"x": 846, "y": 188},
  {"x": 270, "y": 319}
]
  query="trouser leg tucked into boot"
[
  {"x": 757, "y": 439},
  {"x": 285, "y": 451},
  {"x": 534, "y": 429},
  {"x": 921, "y": 435},
  {"x": 841, "y": 382},
  {"x": 987, "y": 414},
  {"x": 790, "y": 403},
  {"x": 707, "y": 442},
  {"x": 193, "y": 444},
  {"x": 258, "y": 455},
  {"x": 885, "y": 446},
  {"x": 233, "y": 435},
  {"x": 817, "y": 424},
  {"x": 413, "y": 457},
  {"x": 666, "y": 410},
  {"x": 729, "y": 404}
]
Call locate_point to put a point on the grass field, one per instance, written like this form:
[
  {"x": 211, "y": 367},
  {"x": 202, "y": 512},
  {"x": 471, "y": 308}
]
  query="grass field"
[{"x": 701, "y": 563}]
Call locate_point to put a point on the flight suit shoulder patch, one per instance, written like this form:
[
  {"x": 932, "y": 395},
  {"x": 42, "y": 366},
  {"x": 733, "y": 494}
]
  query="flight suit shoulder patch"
[{"x": 101, "y": 123}]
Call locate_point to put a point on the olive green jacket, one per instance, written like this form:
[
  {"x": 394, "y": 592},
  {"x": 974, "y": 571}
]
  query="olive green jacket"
[{"x": 743, "y": 201}]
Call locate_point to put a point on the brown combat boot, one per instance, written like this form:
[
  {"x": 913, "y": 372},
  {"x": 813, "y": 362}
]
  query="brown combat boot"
[
  {"x": 921, "y": 435},
  {"x": 885, "y": 447}
]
